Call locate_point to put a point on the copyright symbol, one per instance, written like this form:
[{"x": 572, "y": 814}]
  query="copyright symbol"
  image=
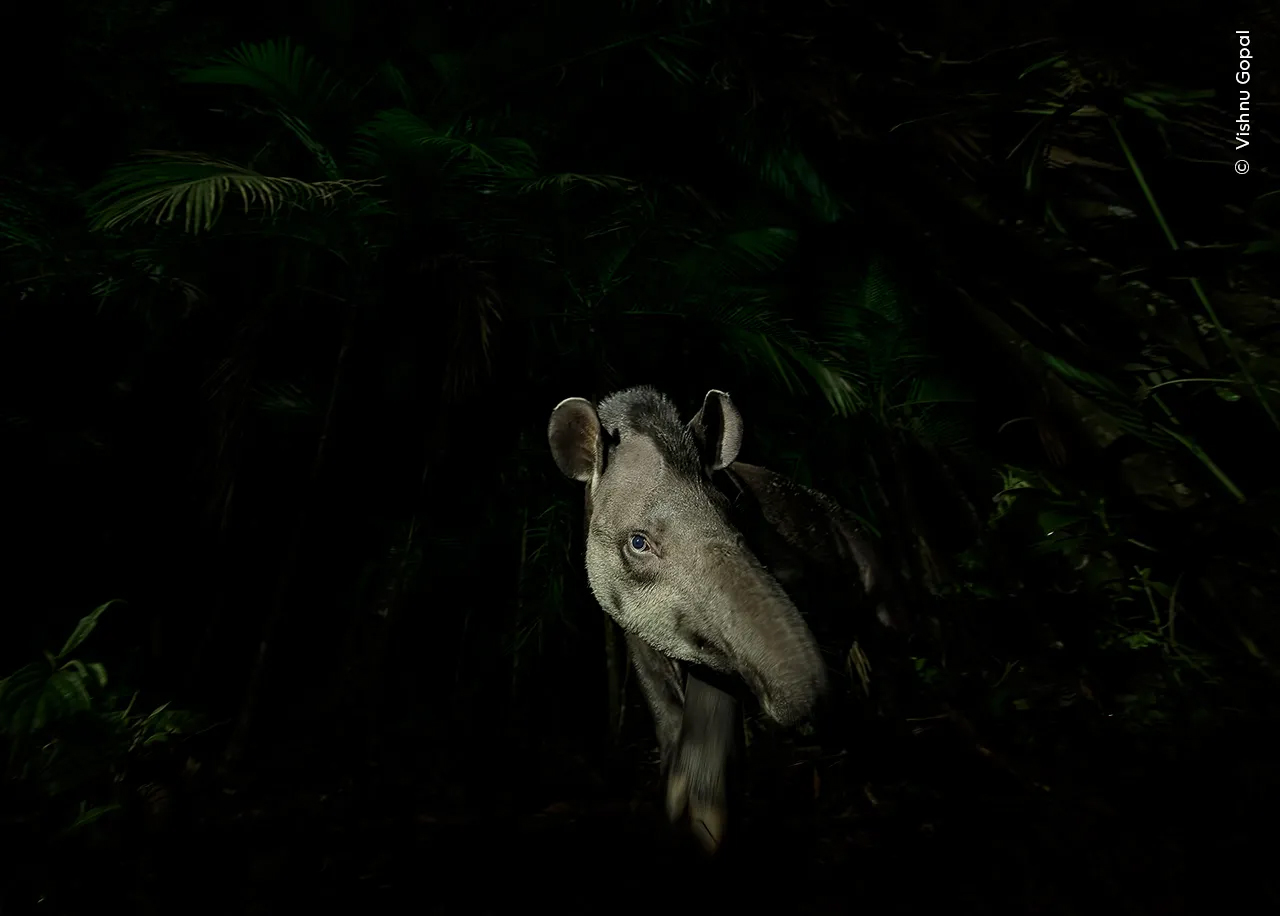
[{"x": 1241, "y": 166}]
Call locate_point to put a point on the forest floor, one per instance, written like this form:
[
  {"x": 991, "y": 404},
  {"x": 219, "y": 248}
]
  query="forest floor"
[{"x": 1136, "y": 839}]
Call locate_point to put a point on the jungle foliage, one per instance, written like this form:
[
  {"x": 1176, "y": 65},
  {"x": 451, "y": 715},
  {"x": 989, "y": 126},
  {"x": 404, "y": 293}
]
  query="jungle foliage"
[{"x": 282, "y": 319}]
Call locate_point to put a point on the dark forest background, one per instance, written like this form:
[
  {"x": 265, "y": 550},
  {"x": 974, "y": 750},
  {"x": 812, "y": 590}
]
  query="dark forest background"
[{"x": 295, "y": 611}]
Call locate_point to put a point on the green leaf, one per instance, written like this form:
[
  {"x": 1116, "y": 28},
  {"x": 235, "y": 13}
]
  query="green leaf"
[
  {"x": 19, "y": 691},
  {"x": 1056, "y": 520},
  {"x": 21, "y": 722},
  {"x": 48, "y": 706},
  {"x": 72, "y": 695},
  {"x": 1146, "y": 107},
  {"x": 84, "y": 628},
  {"x": 1263, "y": 246},
  {"x": 89, "y": 816},
  {"x": 1053, "y": 61}
]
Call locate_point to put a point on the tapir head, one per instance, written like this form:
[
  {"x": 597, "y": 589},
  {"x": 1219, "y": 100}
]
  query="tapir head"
[{"x": 663, "y": 559}]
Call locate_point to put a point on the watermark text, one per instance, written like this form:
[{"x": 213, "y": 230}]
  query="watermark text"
[{"x": 1244, "y": 107}]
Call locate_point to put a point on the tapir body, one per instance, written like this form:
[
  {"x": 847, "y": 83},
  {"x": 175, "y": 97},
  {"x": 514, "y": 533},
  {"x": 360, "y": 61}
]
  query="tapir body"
[{"x": 702, "y": 560}]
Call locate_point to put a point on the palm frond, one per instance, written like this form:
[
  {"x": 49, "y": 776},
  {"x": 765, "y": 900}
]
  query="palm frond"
[
  {"x": 289, "y": 78},
  {"x": 665, "y": 52},
  {"x": 936, "y": 409},
  {"x": 751, "y": 330},
  {"x": 302, "y": 130},
  {"x": 285, "y": 398},
  {"x": 739, "y": 256},
  {"x": 23, "y": 222},
  {"x": 393, "y": 78},
  {"x": 736, "y": 268},
  {"x": 280, "y": 70},
  {"x": 868, "y": 319},
  {"x": 783, "y": 168},
  {"x": 465, "y": 148},
  {"x": 17, "y": 230},
  {"x": 1122, "y": 407},
  {"x": 162, "y": 186},
  {"x": 567, "y": 181}
]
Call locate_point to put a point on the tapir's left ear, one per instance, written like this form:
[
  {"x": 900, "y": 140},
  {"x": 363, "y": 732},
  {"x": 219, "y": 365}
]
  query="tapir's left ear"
[
  {"x": 576, "y": 438},
  {"x": 717, "y": 428}
]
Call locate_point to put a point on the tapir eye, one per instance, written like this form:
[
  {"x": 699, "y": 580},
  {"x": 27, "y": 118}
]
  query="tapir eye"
[{"x": 639, "y": 543}]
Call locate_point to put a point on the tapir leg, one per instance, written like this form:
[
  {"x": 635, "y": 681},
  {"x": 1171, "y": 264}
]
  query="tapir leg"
[{"x": 697, "y": 725}]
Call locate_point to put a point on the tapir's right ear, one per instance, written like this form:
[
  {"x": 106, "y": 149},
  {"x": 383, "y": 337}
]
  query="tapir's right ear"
[
  {"x": 717, "y": 428},
  {"x": 576, "y": 438}
]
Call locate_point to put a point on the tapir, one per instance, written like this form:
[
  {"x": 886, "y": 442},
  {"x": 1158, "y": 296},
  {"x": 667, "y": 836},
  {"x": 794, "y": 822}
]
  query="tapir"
[{"x": 700, "y": 559}]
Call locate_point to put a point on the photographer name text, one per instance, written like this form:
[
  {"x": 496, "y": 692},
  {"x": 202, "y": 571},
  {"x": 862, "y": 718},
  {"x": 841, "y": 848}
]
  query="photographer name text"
[{"x": 1244, "y": 123}]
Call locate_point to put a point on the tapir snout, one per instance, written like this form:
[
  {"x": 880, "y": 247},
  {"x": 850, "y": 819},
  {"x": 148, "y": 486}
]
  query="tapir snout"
[{"x": 761, "y": 634}]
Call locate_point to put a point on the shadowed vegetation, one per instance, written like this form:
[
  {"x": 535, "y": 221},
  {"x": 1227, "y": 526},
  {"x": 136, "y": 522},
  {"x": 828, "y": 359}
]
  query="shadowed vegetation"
[{"x": 286, "y": 301}]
